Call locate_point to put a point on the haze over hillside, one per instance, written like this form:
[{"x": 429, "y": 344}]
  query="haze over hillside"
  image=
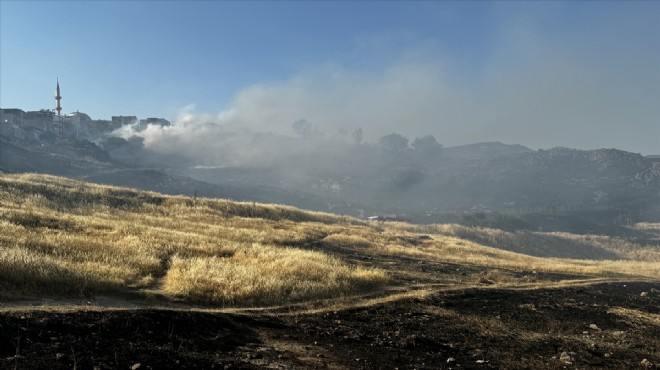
[{"x": 419, "y": 180}]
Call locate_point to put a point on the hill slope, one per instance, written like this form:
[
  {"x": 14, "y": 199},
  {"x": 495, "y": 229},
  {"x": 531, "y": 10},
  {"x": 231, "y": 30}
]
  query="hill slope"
[
  {"x": 66, "y": 236},
  {"x": 226, "y": 284},
  {"x": 587, "y": 191}
]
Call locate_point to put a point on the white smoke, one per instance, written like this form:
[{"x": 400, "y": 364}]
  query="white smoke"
[{"x": 535, "y": 89}]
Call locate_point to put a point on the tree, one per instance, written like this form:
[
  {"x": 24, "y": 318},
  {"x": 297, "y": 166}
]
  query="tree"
[
  {"x": 357, "y": 135},
  {"x": 395, "y": 142},
  {"x": 427, "y": 145},
  {"x": 303, "y": 128}
]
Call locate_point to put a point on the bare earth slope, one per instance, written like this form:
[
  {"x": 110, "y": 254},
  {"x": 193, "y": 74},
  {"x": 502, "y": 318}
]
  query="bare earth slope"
[{"x": 104, "y": 277}]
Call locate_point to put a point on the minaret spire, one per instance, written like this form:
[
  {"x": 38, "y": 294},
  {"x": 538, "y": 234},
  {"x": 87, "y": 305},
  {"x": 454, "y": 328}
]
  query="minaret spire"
[{"x": 58, "y": 97}]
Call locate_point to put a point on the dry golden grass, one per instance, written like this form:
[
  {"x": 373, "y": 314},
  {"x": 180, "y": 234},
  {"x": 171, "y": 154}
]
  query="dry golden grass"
[
  {"x": 265, "y": 275},
  {"x": 551, "y": 244},
  {"x": 580, "y": 254},
  {"x": 648, "y": 226},
  {"x": 636, "y": 317},
  {"x": 61, "y": 236}
]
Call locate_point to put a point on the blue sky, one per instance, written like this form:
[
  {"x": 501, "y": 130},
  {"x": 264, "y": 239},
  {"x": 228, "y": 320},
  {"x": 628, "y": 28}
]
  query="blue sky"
[{"x": 542, "y": 74}]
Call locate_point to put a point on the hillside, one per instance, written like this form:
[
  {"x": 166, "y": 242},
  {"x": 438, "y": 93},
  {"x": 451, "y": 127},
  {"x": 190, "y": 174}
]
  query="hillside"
[
  {"x": 74, "y": 160},
  {"x": 560, "y": 189},
  {"x": 290, "y": 288},
  {"x": 557, "y": 189}
]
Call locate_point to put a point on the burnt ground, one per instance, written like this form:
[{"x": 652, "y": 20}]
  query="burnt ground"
[{"x": 604, "y": 325}]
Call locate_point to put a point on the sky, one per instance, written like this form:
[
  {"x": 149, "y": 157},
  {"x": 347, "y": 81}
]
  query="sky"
[{"x": 543, "y": 74}]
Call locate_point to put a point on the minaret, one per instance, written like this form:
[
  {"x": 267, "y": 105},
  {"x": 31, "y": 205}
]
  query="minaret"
[{"x": 58, "y": 97}]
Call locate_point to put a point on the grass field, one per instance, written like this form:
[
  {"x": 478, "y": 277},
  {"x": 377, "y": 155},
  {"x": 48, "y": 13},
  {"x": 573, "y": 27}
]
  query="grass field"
[{"x": 70, "y": 238}]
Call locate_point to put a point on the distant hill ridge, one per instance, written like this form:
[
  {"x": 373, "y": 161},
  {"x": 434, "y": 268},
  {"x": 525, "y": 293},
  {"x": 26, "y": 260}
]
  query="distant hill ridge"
[
  {"x": 608, "y": 185},
  {"x": 486, "y": 149}
]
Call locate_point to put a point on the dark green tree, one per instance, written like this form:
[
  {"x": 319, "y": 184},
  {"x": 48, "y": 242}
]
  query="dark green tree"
[
  {"x": 427, "y": 145},
  {"x": 394, "y": 142}
]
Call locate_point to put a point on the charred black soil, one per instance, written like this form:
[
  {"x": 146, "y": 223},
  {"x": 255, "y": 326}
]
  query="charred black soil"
[{"x": 605, "y": 325}]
